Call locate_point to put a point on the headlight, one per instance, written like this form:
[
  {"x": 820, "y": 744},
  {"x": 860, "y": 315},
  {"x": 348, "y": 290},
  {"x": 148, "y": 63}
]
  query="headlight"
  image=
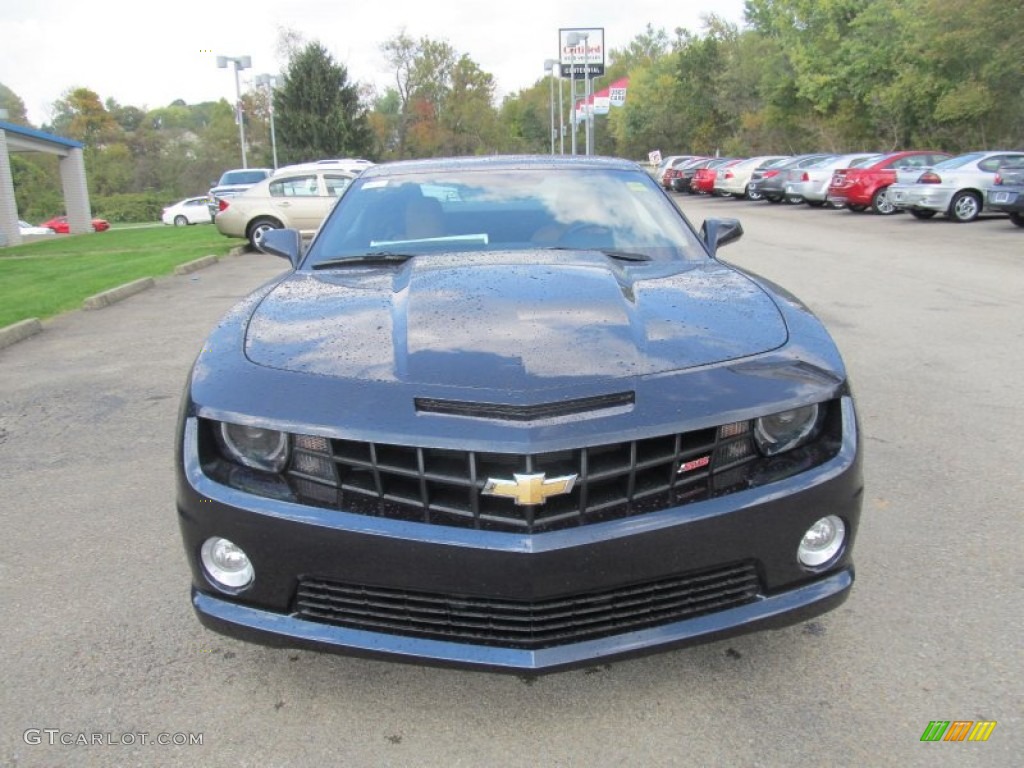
[
  {"x": 263, "y": 449},
  {"x": 788, "y": 429}
]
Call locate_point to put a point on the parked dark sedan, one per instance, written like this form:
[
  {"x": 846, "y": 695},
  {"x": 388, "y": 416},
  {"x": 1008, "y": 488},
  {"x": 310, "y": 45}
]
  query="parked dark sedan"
[
  {"x": 514, "y": 414},
  {"x": 1007, "y": 194},
  {"x": 770, "y": 184}
]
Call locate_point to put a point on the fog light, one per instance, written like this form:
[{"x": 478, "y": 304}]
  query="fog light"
[
  {"x": 821, "y": 542},
  {"x": 226, "y": 563}
]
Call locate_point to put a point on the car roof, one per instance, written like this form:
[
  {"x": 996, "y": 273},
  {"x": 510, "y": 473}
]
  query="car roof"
[
  {"x": 326, "y": 165},
  {"x": 498, "y": 163}
]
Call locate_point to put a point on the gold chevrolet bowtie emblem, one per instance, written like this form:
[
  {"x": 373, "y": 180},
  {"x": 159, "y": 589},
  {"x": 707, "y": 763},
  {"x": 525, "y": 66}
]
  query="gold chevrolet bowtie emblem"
[{"x": 530, "y": 489}]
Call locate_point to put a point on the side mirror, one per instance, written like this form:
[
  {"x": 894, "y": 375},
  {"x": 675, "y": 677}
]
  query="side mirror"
[
  {"x": 719, "y": 232},
  {"x": 286, "y": 243}
]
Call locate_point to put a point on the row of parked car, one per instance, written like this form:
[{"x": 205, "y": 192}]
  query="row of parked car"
[
  {"x": 925, "y": 183},
  {"x": 58, "y": 225}
]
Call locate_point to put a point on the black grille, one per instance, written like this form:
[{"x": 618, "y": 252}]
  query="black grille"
[
  {"x": 527, "y": 625},
  {"x": 446, "y": 487}
]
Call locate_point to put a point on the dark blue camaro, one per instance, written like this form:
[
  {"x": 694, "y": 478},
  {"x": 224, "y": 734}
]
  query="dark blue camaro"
[{"x": 513, "y": 414}]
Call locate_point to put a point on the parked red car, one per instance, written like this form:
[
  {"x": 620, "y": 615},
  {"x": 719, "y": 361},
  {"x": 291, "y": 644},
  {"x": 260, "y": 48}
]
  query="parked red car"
[
  {"x": 863, "y": 187},
  {"x": 703, "y": 182},
  {"x": 59, "y": 224}
]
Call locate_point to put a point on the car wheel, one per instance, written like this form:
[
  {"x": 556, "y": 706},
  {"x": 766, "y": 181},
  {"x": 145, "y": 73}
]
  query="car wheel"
[
  {"x": 1017, "y": 218},
  {"x": 793, "y": 199},
  {"x": 260, "y": 227},
  {"x": 857, "y": 208},
  {"x": 964, "y": 207},
  {"x": 752, "y": 194},
  {"x": 180, "y": 221},
  {"x": 881, "y": 204},
  {"x": 919, "y": 214}
]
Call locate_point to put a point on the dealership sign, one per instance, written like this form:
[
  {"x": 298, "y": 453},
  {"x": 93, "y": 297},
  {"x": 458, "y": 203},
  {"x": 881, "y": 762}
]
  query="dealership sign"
[{"x": 581, "y": 52}]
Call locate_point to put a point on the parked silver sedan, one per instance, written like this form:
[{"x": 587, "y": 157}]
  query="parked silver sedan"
[
  {"x": 956, "y": 187},
  {"x": 810, "y": 184}
]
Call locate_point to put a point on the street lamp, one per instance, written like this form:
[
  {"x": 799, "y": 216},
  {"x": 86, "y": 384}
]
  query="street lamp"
[
  {"x": 270, "y": 82},
  {"x": 549, "y": 67},
  {"x": 561, "y": 115},
  {"x": 240, "y": 62},
  {"x": 573, "y": 39}
]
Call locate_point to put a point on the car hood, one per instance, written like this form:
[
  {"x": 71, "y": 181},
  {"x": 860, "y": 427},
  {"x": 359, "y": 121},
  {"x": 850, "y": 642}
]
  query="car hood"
[{"x": 511, "y": 321}]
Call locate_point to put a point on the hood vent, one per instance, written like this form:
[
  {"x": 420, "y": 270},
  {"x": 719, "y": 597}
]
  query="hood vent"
[{"x": 505, "y": 412}]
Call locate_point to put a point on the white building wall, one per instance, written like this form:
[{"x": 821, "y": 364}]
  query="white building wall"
[
  {"x": 9, "y": 232},
  {"x": 76, "y": 192}
]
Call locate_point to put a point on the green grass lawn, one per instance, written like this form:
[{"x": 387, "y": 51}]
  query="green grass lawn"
[{"x": 45, "y": 278}]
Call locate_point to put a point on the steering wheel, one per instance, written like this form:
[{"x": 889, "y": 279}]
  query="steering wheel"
[{"x": 586, "y": 235}]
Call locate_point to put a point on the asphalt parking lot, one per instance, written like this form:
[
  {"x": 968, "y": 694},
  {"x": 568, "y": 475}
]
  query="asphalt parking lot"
[{"x": 100, "y": 644}]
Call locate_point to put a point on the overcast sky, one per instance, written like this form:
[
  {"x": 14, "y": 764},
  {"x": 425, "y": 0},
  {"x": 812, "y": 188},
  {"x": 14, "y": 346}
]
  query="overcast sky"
[{"x": 149, "y": 54}]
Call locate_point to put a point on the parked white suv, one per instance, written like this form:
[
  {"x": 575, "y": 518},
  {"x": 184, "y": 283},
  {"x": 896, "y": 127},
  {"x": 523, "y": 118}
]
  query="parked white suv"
[{"x": 235, "y": 181}]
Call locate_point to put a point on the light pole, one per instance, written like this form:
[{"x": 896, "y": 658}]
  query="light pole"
[
  {"x": 270, "y": 82},
  {"x": 573, "y": 39},
  {"x": 549, "y": 67},
  {"x": 240, "y": 62},
  {"x": 561, "y": 116}
]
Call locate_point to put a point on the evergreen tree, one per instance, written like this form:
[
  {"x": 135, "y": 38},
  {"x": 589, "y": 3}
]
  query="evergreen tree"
[{"x": 318, "y": 113}]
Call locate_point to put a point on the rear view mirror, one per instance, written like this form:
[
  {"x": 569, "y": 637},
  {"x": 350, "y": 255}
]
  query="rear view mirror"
[
  {"x": 286, "y": 243},
  {"x": 719, "y": 232}
]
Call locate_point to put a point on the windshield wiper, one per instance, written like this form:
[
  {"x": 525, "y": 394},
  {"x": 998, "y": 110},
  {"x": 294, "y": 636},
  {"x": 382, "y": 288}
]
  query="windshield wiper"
[
  {"x": 610, "y": 253},
  {"x": 378, "y": 257}
]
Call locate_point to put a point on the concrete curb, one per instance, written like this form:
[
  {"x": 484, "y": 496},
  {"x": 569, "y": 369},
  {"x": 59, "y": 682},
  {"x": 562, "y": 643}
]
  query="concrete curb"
[
  {"x": 239, "y": 250},
  {"x": 12, "y": 334},
  {"x": 114, "y": 295},
  {"x": 197, "y": 264}
]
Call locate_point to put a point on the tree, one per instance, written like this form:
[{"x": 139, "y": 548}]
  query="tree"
[
  {"x": 15, "y": 107},
  {"x": 469, "y": 119},
  {"x": 524, "y": 120},
  {"x": 653, "y": 117},
  {"x": 444, "y": 100},
  {"x": 317, "y": 111},
  {"x": 400, "y": 52},
  {"x": 80, "y": 115},
  {"x": 128, "y": 117}
]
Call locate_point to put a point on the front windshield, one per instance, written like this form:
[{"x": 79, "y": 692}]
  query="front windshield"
[{"x": 613, "y": 211}]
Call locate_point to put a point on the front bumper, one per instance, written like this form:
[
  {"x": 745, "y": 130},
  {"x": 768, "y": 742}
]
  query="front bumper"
[
  {"x": 288, "y": 542},
  {"x": 286, "y": 631}
]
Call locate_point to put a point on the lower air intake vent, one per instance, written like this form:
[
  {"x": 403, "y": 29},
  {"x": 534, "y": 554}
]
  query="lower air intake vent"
[{"x": 526, "y": 625}]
